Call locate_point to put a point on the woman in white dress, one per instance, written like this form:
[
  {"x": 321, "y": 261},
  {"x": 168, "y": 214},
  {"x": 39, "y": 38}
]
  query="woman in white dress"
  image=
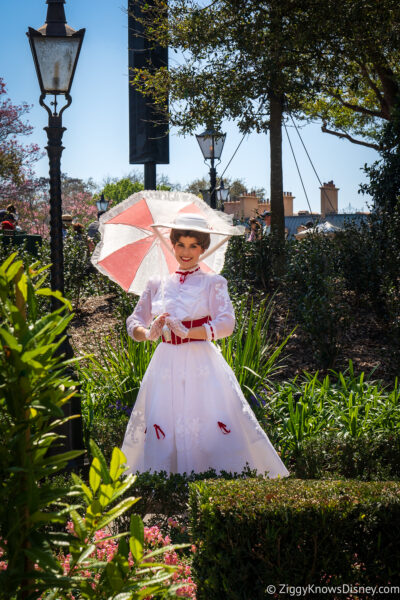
[{"x": 190, "y": 413}]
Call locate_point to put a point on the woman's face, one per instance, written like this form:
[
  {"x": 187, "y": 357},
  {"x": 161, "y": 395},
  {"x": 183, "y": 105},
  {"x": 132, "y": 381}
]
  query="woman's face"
[{"x": 187, "y": 251}]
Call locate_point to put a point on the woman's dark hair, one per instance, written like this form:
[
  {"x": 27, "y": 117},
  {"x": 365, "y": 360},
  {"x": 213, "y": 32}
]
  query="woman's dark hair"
[
  {"x": 202, "y": 238},
  {"x": 78, "y": 227}
]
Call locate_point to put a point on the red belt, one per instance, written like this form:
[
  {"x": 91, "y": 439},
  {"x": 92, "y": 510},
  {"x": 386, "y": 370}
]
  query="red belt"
[{"x": 176, "y": 340}]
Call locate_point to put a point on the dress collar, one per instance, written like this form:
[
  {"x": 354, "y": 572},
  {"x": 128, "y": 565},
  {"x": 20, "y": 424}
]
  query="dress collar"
[{"x": 184, "y": 274}]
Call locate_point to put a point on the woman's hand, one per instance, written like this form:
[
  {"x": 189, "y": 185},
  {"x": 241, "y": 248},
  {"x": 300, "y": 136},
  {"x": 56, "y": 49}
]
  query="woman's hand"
[
  {"x": 177, "y": 327},
  {"x": 155, "y": 330}
]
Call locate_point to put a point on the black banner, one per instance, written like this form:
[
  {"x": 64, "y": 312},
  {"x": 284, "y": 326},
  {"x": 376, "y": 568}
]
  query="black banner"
[{"x": 148, "y": 138}]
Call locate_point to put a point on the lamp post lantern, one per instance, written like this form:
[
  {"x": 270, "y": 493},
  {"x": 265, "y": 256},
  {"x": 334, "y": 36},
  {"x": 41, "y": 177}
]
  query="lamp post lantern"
[
  {"x": 211, "y": 144},
  {"x": 55, "y": 49},
  {"x": 102, "y": 204},
  {"x": 222, "y": 194}
]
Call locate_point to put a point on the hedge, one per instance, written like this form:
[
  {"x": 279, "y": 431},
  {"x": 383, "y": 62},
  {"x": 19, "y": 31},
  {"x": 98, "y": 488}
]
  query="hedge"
[
  {"x": 255, "y": 533},
  {"x": 369, "y": 457}
]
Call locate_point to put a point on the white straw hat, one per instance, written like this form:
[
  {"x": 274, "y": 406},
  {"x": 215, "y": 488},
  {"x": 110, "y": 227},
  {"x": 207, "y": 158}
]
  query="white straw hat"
[{"x": 193, "y": 222}]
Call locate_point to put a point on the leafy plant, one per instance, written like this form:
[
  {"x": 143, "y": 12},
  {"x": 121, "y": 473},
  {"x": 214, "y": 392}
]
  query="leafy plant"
[
  {"x": 113, "y": 375},
  {"x": 129, "y": 572},
  {"x": 250, "y": 351},
  {"x": 33, "y": 390},
  {"x": 347, "y": 404},
  {"x": 315, "y": 292}
]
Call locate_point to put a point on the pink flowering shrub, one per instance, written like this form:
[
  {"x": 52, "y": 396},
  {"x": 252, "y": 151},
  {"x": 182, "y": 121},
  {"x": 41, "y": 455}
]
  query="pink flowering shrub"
[{"x": 107, "y": 548}]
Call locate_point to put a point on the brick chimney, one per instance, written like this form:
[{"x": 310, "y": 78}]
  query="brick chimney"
[
  {"x": 329, "y": 199},
  {"x": 288, "y": 203},
  {"x": 248, "y": 204}
]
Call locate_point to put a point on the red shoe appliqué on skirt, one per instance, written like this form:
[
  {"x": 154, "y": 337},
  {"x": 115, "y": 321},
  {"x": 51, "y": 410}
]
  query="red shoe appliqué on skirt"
[
  {"x": 158, "y": 429},
  {"x": 223, "y": 428}
]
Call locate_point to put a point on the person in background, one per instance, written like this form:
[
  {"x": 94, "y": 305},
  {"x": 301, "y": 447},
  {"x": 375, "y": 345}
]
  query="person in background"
[
  {"x": 266, "y": 215},
  {"x": 93, "y": 229},
  {"x": 66, "y": 224},
  {"x": 8, "y": 224},
  {"x": 255, "y": 230},
  {"x": 78, "y": 230},
  {"x": 9, "y": 216}
]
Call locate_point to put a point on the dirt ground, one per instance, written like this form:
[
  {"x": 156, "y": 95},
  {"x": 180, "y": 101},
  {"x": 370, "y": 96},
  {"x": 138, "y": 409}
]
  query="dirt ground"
[{"x": 363, "y": 341}]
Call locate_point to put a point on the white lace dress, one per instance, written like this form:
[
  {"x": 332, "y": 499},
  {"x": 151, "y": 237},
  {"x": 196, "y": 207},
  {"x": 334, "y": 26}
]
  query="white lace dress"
[{"x": 190, "y": 413}]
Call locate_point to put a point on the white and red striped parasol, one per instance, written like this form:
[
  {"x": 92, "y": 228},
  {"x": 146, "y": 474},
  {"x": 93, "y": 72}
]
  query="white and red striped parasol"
[{"x": 131, "y": 251}]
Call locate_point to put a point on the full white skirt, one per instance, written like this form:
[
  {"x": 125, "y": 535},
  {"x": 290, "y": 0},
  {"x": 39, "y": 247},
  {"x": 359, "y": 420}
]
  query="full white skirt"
[{"x": 191, "y": 415}]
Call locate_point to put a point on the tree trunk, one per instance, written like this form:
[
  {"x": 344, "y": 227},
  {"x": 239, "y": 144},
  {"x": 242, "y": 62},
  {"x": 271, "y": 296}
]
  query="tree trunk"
[{"x": 275, "y": 131}]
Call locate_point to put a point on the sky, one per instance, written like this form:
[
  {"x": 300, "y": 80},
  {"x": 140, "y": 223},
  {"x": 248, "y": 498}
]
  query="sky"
[{"x": 97, "y": 138}]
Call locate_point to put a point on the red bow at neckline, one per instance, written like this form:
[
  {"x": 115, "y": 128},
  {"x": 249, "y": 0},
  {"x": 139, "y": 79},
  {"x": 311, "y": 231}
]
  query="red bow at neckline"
[{"x": 184, "y": 274}]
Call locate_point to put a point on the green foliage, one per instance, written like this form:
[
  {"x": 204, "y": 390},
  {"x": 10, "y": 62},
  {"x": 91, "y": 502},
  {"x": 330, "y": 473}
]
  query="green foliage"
[
  {"x": 250, "y": 351},
  {"x": 77, "y": 268},
  {"x": 120, "y": 190},
  {"x": 105, "y": 501},
  {"x": 251, "y": 265},
  {"x": 255, "y": 533},
  {"x": 344, "y": 403},
  {"x": 109, "y": 429},
  {"x": 356, "y": 257},
  {"x": 384, "y": 175},
  {"x": 114, "y": 374},
  {"x": 315, "y": 292},
  {"x": 384, "y": 235},
  {"x": 371, "y": 456},
  {"x": 33, "y": 390}
]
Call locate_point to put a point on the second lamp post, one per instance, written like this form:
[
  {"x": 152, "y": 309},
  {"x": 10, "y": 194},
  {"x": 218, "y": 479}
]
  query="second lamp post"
[{"x": 211, "y": 144}]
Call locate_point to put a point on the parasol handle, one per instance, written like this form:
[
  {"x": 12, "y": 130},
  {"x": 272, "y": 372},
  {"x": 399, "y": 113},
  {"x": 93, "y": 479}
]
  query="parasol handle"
[
  {"x": 214, "y": 248},
  {"x": 161, "y": 237}
]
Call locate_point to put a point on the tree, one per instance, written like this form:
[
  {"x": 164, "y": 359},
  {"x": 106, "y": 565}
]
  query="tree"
[
  {"x": 16, "y": 159},
  {"x": 236, "y": 186},
  {"x": 256, "y": 62},
  {"x": 358, "y": 60},
  {"x": 118, "y": 190},
  {"x": 226, "y": 72},
  {"x": 33, "y": 206}
]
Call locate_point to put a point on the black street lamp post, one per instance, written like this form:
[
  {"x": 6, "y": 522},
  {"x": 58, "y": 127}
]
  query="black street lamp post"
[
  {"x": 211, "y": 144},
  {"x": 55, "y": 49}
]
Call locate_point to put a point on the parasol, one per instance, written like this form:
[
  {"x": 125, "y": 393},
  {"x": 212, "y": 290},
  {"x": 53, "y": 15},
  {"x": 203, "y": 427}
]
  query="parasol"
[{"x": 131, "y": 250}]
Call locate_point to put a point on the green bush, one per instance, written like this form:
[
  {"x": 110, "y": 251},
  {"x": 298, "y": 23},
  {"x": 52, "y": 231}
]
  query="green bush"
[
  {"x": 357, "y": 260},
  {"x": 250, "y": 265},
  {"x": 33, "y": 391},
  {"x": 112, "y": 378},
  {"x": 343, "y": 403},
  {"x": 369, "y": 457},
  {"x": 258, "y": 533},
  {"x": 315, "y": 291},
  {"x": 107, "y": 430},
  {"x": 250, "y": 351}
]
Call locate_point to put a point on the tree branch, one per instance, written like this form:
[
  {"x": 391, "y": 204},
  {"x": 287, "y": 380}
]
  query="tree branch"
[
  {"x": 361, "y": 109},
  {"x": 349, "y": 137},
  {"x": 373, "y": 85}
]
